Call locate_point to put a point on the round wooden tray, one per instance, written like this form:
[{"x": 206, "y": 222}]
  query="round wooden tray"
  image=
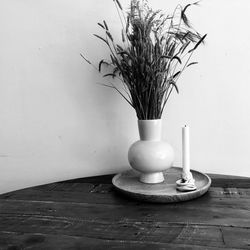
[{"x": 165, "y": 192}]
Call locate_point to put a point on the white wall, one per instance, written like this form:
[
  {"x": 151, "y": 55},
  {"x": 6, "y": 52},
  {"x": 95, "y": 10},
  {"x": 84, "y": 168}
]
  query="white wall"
[{"x": 56, "y": 123}]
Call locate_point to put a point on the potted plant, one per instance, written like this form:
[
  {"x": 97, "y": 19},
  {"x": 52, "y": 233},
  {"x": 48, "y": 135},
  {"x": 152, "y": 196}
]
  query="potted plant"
[{"x": 155, "y": 50}]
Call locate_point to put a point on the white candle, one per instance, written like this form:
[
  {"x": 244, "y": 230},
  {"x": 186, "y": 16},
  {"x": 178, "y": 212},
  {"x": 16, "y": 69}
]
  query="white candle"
[{"x": 185, "y": 150}]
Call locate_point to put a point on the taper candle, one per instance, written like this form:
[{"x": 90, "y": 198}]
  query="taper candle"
[{"x": 185, "y": 150}]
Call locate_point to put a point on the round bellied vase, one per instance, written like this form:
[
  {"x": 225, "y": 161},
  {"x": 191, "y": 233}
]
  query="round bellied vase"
[{"x": 150, "y": 155}]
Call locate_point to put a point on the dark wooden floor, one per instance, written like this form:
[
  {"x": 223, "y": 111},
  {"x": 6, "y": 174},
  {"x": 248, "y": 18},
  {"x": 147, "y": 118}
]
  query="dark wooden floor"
[{"x": 89, "y": 214}]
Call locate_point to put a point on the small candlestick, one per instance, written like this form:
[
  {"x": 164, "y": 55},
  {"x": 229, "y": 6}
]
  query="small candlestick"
[
  {"x": 185, "y": 151},
  {"x": 187, "y": 182}
]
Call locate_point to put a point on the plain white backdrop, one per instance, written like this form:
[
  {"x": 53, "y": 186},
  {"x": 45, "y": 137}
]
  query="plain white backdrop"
[{"x": 56, "y": 123}]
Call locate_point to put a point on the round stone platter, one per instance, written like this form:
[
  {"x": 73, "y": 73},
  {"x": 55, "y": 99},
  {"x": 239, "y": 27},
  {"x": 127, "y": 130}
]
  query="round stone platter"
[{"x": 165, "y": 192}]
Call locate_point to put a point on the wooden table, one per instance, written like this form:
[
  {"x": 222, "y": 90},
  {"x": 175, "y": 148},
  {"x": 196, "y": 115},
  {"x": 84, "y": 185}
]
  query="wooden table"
[{"x": 89, "y": 214}]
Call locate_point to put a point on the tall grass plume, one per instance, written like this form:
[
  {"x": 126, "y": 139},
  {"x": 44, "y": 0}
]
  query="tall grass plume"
[{"x": 155, "y": 50}]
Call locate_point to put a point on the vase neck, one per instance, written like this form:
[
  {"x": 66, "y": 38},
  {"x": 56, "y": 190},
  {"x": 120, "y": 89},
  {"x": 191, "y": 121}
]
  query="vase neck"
[{"x": 150, "y": 130}]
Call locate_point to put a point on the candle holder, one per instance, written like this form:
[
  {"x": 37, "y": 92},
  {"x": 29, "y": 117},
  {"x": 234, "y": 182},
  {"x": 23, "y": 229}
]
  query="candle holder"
[{"x": 186, "y": 183}]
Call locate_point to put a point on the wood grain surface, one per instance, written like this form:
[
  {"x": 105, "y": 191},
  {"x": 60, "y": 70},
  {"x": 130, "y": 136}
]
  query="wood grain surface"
[{"x": 89, "y": 213}]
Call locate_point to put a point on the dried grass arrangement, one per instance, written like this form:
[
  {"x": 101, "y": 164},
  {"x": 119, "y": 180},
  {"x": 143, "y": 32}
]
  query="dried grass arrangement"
[{"x": 156, "y": 49}]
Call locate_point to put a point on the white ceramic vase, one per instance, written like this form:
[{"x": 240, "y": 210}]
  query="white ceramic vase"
[{"x": 150, "y": 155}]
